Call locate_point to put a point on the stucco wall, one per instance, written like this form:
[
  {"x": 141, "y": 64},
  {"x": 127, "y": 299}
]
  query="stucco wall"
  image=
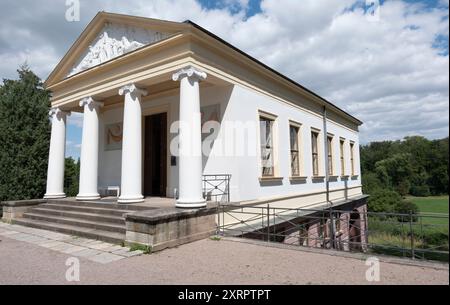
[
  {"x": 243, "y": 107},
  {"x": 240, "y": 106}
]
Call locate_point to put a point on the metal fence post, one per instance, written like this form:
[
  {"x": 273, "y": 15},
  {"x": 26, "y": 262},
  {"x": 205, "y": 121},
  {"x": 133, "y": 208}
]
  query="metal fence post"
[
  {"x": 411, "y": 234},
  {"x": 268, "y": 223}
]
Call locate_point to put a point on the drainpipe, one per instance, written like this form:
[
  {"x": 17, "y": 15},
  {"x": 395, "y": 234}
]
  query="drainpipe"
[
  {"x": 325, "y": 142},
  {"x": 327, "y": 177}
]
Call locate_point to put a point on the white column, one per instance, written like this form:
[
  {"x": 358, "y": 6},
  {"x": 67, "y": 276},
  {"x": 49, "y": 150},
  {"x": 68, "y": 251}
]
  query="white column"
[
  {"x": 131, "y": 179},
  {"x": 190, "y": 139},
  {"x": 55, "y": 173},
  {"x": 88, "y": 189}
]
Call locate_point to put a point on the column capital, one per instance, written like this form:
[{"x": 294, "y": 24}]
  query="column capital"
[
  {"x": 58, "y": 112},
  {"x": 90, "y": 102},
  {"x": 131, "y": 88},
  {"x": 190, "y": 72}
]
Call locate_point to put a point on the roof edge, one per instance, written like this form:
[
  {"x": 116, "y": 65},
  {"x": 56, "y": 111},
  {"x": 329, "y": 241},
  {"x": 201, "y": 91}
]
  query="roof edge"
[{"x": 326, "y": 102}]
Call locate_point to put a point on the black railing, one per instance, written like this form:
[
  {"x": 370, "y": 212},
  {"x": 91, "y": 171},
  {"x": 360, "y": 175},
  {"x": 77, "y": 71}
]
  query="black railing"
[
  {"x": 217, "y": 187},
  {"x": 417, "y": 236}
]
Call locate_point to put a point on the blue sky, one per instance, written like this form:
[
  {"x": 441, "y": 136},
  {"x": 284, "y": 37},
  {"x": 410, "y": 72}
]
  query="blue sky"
[{"x": 391, "y": 73}]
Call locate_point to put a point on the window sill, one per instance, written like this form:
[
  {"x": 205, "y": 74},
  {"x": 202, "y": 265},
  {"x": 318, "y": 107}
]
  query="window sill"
[
  {"x": 298, "y": 178},
  {"x": 333, "y": 177},
  {"x": 268, "y": 179},
  {"x": 354, "y": 177}
]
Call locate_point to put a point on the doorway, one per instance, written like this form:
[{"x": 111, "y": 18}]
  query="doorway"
[{"x": 155, "y": 155}]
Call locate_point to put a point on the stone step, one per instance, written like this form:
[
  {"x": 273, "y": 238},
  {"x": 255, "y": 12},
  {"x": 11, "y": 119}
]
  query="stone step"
[
  {"x": 85, "y": 209},
  {"x": 112, "y": 205},
  {"x": 106, "y": 236},
  {"x": 76, "y": 222},
  {"x": 97, "y": 217}
]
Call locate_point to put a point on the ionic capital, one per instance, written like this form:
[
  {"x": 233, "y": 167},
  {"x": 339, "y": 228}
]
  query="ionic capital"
[
  {"x": 190, "y": 72},
  {"x": 58, "y": 113},
  {"x": 132, "y": 89},
  {"x": 90, "y": 102}
]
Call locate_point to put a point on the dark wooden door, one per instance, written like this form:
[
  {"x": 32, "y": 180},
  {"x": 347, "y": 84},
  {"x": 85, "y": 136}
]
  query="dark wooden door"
[{"x": 155, "y": 156}]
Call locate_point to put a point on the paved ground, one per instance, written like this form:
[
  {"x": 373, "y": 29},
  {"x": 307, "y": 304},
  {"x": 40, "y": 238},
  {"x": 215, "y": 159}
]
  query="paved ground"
[
  {"x": 203, "y": 262},
  {"x": 93, "y": 250}
]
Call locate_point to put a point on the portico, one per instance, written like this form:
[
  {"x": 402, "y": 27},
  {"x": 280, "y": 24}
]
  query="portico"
[{"x": 131, "y": 188}]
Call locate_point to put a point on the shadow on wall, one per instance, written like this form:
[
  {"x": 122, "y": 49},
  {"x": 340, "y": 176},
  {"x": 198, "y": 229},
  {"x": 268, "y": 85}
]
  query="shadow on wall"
[{"x": 214, "y": 109}]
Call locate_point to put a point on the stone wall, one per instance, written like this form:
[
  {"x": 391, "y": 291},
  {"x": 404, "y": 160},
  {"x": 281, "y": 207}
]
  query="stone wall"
[
  {"x": 15, "y": 209},
  {"x": 164, "y": 228}
]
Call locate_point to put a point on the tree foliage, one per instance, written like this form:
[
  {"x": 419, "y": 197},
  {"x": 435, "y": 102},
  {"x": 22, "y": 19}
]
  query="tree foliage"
[
  {"x": 384, "y": 201},
  {"x": 393, "y": 169},
  {"x": 415, "y": 165},
  {"x": 24, "y": 137},
  {"x": 71, "y": 177}
]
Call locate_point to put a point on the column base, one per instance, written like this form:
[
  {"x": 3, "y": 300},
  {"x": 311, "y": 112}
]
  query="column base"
[
  {"x": 131, "y": 199},
  {"x": 55, "y": 196},
  {"x": 81, "y": 197},
  {"x": 191, "y": 204}
]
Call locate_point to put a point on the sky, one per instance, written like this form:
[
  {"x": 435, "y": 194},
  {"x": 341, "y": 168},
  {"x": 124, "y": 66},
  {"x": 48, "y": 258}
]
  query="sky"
[{"x": 386, "y": 64}]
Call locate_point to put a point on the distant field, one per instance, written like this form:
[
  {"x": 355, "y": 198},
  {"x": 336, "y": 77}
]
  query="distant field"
[
  {"x": 431, "y": 204},
  {"x": 430, "y": 232}
]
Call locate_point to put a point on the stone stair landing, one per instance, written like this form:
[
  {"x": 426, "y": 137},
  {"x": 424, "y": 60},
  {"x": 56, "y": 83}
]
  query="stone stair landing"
[{"x": 94, "y": 220}]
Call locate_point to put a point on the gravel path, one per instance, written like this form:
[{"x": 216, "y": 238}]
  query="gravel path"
[{"x": 204, "y": 262}]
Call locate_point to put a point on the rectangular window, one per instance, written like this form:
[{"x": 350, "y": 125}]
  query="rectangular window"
[
  {"x": 295, "y": 153},
  {"x": 352, "y": 157},
  {"x": 315, "y": 152},
  {"x": 266, "y": 134},
  {"x": 342, "y": 145},
  {"x": 330, "y": 155}
]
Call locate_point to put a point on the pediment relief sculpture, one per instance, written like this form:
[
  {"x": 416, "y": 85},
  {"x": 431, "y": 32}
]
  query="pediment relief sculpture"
[{"x": 113, "y": 41}]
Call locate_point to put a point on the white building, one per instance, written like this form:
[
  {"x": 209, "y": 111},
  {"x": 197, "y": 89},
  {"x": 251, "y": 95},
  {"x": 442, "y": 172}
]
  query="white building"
[{"x": 134, "y": 78}]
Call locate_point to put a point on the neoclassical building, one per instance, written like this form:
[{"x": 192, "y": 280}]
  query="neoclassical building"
[{"x": 153, "y": 92}]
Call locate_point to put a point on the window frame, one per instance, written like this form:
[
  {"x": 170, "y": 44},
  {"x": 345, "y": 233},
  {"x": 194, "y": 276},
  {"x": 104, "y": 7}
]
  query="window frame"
[
  {"x": 262, "y": 115},
  {"x": 330, "y": 151},
  {"x": 352, "y": 158},
  {"x": 298, "y": 140},
  {"x": 315, "y": 170},
  {"x": 342, "y": 156}
]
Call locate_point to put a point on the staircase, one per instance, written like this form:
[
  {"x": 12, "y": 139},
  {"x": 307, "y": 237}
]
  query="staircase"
[{"x": 94, "y": 220}]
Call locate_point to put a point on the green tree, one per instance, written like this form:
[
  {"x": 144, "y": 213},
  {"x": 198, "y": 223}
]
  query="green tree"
[
  {"x": 24, "y": 137},
  {"x": 71, "y": 177},
  {"x": 384, "y": 201},
  {"x": 371, "y": 183},
  {"x": 399, "y": 170}
]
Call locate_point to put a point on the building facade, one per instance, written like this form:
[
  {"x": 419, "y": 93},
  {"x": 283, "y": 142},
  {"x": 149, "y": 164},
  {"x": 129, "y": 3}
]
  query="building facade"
[{"x": 166, "y": 104}]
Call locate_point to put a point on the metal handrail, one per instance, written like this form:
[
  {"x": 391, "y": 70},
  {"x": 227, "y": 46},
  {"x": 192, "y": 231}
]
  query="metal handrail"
[
  {"x": 274, "y": 224},
  {"x": 217, "y": 186}
]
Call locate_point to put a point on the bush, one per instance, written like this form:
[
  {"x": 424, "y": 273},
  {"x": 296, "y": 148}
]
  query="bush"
[
  {"x": 406, "y": 207},
  {"x": 371, "y": 183},
  {"x": 420, "y": 190},
  {"x": 384, "y": 201}
]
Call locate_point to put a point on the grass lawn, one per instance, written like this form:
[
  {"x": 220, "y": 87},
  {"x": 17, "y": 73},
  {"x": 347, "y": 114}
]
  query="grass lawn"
[
  {"x": 390, "y": 236},
  {"x": 432, "y": 205}
]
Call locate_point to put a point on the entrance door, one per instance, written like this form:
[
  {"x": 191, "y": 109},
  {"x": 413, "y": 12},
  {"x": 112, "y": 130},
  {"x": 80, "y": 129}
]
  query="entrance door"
[{"x": 155, "y": 156}]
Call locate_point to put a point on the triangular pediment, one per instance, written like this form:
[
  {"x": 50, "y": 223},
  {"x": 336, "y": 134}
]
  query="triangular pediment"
[
  {"x": 113, "y": 41},
  {"x": 109, "y": 36}
]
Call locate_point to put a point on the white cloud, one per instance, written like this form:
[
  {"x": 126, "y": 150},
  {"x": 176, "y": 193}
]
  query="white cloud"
[
  {"x": 386, "y": 73},
  {"x": 75, "y": 119}
]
